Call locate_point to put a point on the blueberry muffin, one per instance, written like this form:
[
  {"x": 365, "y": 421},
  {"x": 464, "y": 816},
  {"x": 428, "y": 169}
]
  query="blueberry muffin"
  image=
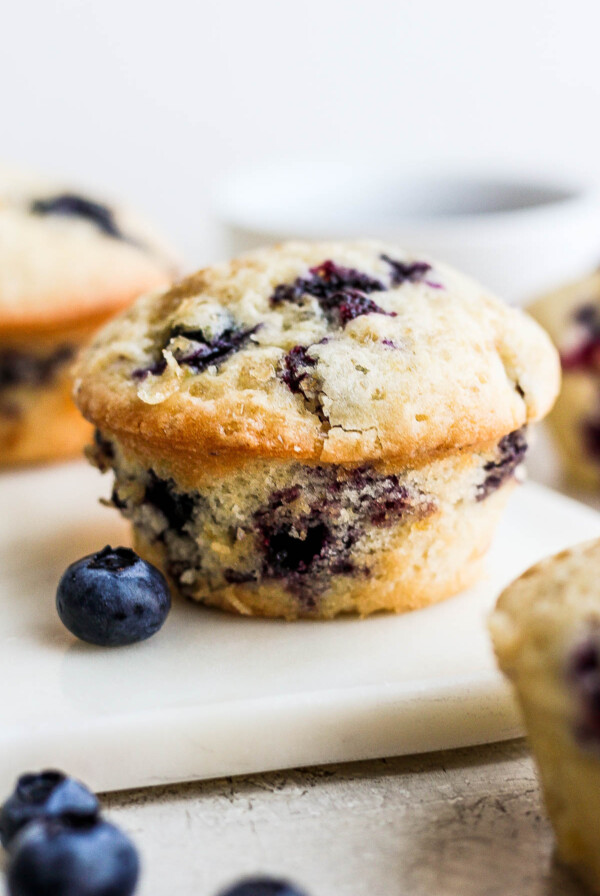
[
  {"x": 546, "y": 633},
  {"x": 571, "y": 315},
  {"x": 67, "y": 264},
  {"x": 314, "y": 429}
]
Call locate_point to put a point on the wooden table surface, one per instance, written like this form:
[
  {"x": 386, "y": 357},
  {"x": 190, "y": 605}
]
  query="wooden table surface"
[{"x": 460, "y": 823}]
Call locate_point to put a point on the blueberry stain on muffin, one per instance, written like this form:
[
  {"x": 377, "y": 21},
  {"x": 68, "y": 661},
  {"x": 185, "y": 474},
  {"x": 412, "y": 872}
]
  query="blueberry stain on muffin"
[
  {"x": 511, "y": 453},
  {"x": 585, "y": 355},
  {"x": 155, "y": 368},
  {"x": 342, "y": 293},
  {"x": 202, "y": 352},
  {"x": 176, "y": 507},
  {"x": 325, "y": 281},
  {"x": 408, "y": 272},
  {"x": 297, "y": 370},
  {"x": 352, "y": 304},
  {"x": 198, "y": 349},
  {"x": 584, "y": 676},
  {"x": 305, "y": 542},
  {"x": 23, "y": 369},
  {"x": 71, "y": 205}
]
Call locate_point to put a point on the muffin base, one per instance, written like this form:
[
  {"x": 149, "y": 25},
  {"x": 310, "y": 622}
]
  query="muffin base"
[{"x": 432, "y": 559}]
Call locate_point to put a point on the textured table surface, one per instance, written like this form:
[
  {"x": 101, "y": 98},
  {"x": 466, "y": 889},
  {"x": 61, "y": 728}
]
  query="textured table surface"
[{"x": 446, "y": 824}]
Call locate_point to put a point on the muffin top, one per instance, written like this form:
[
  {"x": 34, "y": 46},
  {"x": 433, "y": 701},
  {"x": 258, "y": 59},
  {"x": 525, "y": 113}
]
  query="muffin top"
[
  {"x": 571, "y": 315},
  {"x": 546, "y": 630},
  {"x": 66, "y": 257},
  {"x": 335, "y": 352}
]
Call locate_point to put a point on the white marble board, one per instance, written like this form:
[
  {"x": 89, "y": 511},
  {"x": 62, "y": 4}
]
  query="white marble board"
[{"x": 215, "y": 695}]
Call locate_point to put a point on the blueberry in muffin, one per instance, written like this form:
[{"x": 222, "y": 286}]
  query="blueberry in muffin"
[
  {"x": 314, "y": 429},
  {"x": 546, "y": 633},
  {"x": 67, "y": 264}
]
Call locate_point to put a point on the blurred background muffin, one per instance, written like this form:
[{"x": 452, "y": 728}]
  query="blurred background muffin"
[
  {"x": 68, "y": 262},
  {"x": 571, "y": 315},
  {"x": 546, "y": 634}
]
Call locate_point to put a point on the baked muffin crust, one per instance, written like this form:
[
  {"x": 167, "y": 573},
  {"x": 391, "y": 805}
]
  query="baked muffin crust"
[{"x": 323, "y": 352}]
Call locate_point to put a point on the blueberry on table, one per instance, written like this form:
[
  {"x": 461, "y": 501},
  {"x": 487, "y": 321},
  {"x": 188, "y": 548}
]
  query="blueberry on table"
[
  {"x": 47, "y": 794},
  {"x": 113, "y": 598},
  {"x": 262, "y": 886},
  {"x": 71, "y": 856}
]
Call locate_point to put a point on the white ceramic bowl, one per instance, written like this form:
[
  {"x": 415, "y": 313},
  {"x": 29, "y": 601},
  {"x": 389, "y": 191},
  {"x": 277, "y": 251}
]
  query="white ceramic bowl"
[{"x": 516, "y": 233}]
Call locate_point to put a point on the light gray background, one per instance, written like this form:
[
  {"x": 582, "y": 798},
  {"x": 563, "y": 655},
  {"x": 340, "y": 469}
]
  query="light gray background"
[{"x": 156, "y": 100}]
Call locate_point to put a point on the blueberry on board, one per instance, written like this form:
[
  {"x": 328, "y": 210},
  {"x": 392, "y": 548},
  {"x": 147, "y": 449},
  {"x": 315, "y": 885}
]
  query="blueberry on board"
[
  {"x": 72, "y": 856},
  {"x": 262, "y": 886},
  {"x": 113, "y": 598},
  {"x": 47, "y": 794}
]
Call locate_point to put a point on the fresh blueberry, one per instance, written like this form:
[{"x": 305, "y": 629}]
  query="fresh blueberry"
[
  {"x": 47, "y": 794},
  {"x": 73, "y": 206},
  {"x": 112, "y": 598},
  {"x": 263, "y": 886},
  {"x": 71, "y": 856}
]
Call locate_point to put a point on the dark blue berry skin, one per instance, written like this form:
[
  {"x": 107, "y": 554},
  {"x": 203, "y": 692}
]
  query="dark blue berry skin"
[
  {"x": 263, "y": 886},
  {"x": 72, "y": 857},
  {"x": 584, "y": 676},
  {"x": 47, "y": 794},
  {"x": 113, "y": 598},
  {"x": 72, "y": 206}
]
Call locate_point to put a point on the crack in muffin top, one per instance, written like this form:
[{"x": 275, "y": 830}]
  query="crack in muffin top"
[
  {"x": 66, "y": 256},
  {"x": 337, "y": 352}
]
